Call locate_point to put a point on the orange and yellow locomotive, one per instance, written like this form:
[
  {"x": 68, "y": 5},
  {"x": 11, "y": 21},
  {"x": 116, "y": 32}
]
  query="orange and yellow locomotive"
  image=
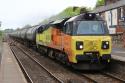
[{"x": 81, "y": 41}]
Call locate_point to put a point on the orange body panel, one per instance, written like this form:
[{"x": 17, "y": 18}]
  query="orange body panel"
[
  {"x": 67, "y": 45},
  {"x": 61, "y": 41},
  {"x": 56, "y": 39}
]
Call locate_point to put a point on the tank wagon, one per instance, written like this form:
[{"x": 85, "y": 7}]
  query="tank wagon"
[{"x": 82, "y": 41}]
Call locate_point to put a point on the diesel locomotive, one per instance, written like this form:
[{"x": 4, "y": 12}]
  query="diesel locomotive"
[{"x": 81, "y": 41}]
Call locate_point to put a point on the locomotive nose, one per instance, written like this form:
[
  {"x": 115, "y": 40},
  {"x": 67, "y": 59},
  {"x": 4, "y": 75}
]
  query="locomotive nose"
[{"x": 92, "y": 45}]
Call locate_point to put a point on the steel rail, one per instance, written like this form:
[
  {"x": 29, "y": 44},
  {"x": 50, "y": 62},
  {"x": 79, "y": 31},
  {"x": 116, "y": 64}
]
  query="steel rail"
[
  {"x": 27, "y": 76},
  {"x": 115, "y": 77},
  {"x": 94, "y": 81},
  {"x": 106, "y": 74},
  {"x": 52, "y": 75}
]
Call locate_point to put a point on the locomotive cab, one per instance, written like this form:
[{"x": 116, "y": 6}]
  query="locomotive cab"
[{"x": 90, "y": 41}]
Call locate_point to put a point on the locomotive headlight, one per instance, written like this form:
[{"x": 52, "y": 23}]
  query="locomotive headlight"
[
  {"x": 79, "y": 45},
  {"x": 105, "y": 44}
]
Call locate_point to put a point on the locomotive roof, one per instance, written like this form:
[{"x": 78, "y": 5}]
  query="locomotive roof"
[
  {"x": 86, "y": 16},
  {"x": 61, "y": 21},
  {"x": 58, "y": 21}
]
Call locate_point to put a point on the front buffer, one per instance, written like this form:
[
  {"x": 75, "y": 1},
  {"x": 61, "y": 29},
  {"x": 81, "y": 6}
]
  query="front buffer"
[
  {"x": 90, "y": 53},
  {"x": 91, "y": 61}
]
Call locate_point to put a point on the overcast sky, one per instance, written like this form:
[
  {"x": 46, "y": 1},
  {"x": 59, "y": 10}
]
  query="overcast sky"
[{"x": 17, "y": 13}]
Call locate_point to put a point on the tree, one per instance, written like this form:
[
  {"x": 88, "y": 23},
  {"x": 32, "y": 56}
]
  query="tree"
[
  {"x": 0, "y": 33},
  {"x": 27, "y": 26},
  {"x": 100, "y": 3},
  {"x": 66, "y": 13}
]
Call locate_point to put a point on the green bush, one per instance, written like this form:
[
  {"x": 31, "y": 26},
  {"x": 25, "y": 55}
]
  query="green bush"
[
  {"x": 100, "y": 3},
  {"x": 1, "y": 34}
]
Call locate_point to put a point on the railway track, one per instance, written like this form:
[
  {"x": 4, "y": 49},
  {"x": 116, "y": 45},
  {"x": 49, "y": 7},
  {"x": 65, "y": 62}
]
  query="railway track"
[
  {"x": 29, "y": 78},
  {"x": 113, "y": 76},
  {"x": 99, "y": 77},
  {"x": 73, "y": 78},
  {"x": 52, "y": 75},
  {"x": 69, "y": 80},
  {"x": 102, "y": 77}
]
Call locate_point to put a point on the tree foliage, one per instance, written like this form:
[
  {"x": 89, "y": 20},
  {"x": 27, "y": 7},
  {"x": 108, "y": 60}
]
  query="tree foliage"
[
  {"x": 100, "y": 3},
  {"x": 27, "y": 26},
  {"x": 68, "y": 12},
  {"x": 0, "y": 33},
  {"x": 8, "y": 30}
]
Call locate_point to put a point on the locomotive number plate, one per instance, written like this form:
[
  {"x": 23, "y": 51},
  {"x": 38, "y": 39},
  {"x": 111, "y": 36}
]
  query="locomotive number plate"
[
  {"x": 88, "y": 53},
  {"x": 91, "y": 53}
]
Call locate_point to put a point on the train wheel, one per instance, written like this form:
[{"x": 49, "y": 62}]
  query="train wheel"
[{"x": 50, "y": 53}]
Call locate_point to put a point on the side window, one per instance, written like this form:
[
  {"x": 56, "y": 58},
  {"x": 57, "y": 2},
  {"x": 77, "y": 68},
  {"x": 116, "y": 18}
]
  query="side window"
[
  {"x": 69, "y": 27},
  {"x": 64, "y": 28},
  {"x": 40, "y": 30}
]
